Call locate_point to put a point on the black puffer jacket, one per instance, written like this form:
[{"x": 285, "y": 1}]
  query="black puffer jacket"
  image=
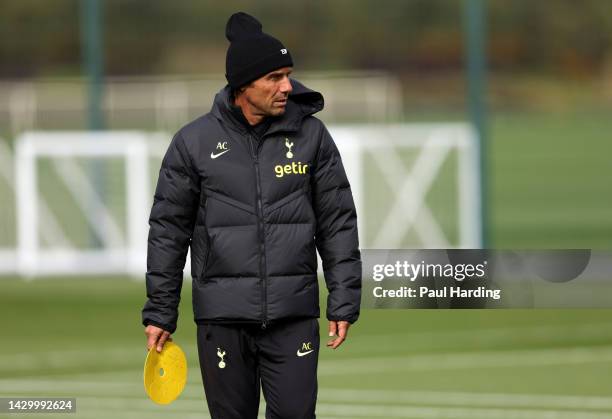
[{"x": 252, "y": 211}]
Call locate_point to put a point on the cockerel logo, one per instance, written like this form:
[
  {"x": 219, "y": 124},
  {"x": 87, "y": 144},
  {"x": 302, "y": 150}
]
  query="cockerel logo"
[{"x": 289, "y": 146}]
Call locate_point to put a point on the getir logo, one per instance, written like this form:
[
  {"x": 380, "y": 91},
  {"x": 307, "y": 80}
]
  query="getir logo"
[{"x": 294, "y": 168}]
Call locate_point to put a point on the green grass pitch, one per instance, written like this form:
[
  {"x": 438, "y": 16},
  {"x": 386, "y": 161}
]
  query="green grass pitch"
[{"x": 82, "y": 338}]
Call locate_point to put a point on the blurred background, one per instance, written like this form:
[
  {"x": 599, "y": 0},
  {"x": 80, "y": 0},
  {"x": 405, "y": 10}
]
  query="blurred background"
[{"x": 527, "y": 84}]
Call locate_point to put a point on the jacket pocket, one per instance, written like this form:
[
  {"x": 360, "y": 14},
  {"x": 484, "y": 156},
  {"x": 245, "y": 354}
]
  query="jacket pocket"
[
  {"x": 310, "y": 207},
  {"x": 207, "y": 244},
  {"x": 202, "y": 274},
  {"x": 297, "y": 194},
  {"x": 200, "y": 249},
  {"x": 277, "y": 212}
]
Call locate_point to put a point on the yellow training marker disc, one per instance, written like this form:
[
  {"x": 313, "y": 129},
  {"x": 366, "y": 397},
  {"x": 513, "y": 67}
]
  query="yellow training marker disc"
[{"x": 165, "y": 373}]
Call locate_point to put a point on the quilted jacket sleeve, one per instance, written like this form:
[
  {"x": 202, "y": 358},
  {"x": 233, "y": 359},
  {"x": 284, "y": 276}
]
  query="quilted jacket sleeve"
[
  {"x": 171, "y": 225},
  {"x": 336, "y": 234}
]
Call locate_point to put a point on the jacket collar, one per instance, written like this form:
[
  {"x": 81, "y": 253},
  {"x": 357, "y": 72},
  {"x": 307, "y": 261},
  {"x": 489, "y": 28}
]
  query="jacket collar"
[{"x": 301, "y": 103}]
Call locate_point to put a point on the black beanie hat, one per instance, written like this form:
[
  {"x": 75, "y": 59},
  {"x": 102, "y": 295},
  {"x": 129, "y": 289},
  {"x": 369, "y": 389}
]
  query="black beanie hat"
[{"x": 251, "y": 53}]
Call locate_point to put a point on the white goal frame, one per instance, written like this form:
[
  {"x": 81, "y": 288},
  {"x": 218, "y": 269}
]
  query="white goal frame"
[
  {"x": 133, "y": 147},
  {"x": 435, "y": 142}
]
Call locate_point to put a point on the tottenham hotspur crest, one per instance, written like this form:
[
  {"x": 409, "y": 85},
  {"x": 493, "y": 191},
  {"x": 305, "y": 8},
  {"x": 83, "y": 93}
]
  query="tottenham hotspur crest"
[
  {"x": 221, "y": 354},
  {"x": 289, "y": 146}
]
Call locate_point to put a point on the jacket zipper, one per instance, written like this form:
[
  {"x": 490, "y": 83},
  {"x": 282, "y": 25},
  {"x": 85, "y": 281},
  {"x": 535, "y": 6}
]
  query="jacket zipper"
[{"x": 261, "y": 232}]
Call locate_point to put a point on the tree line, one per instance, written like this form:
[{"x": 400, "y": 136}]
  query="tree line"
[{"x": 140, "y": 37}]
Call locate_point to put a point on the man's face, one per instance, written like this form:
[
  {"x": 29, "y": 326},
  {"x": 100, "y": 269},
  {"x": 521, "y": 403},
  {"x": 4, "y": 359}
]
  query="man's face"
[{"x": 268, "y": 94}]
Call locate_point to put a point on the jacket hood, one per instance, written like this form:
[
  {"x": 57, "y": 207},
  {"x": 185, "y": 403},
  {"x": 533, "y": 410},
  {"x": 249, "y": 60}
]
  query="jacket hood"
[{"x": 302, "y": 102}]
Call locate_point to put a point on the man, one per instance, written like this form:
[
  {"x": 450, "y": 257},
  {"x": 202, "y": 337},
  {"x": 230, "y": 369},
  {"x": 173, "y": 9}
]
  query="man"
[{"x": 254, "y": 188}]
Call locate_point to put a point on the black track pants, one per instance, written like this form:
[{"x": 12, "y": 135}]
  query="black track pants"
[{"x": 235, "y": 359}]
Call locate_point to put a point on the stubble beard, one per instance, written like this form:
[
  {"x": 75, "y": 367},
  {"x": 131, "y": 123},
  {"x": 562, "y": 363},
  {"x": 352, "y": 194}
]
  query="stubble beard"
[{"x": 268, "y": 111}]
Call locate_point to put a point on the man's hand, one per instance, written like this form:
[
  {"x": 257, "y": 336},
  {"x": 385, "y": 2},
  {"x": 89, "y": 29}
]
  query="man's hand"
[
  {"x": 156, "y": 336},
  {"x": 339, "y": 329}
]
